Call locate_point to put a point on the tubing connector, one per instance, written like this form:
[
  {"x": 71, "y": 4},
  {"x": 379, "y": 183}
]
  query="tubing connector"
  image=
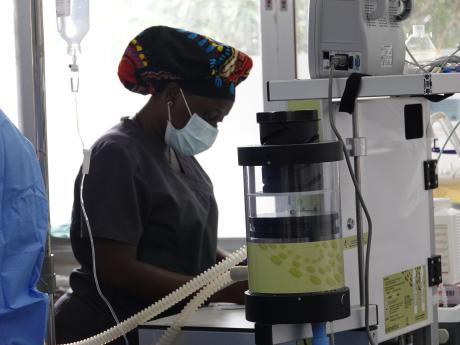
[
  {"x": 319, "y": 334},
  {"x": 86, "y": 161},
  {"x": 239, "y": 273}
]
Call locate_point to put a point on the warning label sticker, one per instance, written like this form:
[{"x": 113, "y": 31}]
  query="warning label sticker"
[
  {"x": 405, "y": 299},
  {"x": 386, "y": 55},
  {"x": 351, "y": 242}
]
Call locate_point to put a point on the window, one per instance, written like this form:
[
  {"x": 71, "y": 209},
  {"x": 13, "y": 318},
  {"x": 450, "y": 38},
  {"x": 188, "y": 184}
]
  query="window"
[
  {"x": 103, "y": 100},
  {"x": 441, "y": 19},
  {"x": 8, "y": 86},
  {"x": 301, "y": 21}
]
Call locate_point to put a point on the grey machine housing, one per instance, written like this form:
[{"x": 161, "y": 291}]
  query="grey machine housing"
[{"x": 361, "y": 36}]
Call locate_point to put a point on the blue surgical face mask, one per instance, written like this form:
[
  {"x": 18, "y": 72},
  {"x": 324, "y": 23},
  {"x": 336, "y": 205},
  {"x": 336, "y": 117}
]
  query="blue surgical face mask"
[{"x": 197, "y": 135}]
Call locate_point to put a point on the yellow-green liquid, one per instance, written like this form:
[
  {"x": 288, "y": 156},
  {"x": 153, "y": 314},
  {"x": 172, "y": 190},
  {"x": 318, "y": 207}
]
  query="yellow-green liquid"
[{"x": 295, "y": 267}]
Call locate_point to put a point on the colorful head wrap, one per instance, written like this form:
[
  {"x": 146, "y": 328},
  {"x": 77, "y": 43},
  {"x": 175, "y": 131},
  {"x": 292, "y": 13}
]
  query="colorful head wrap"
[{"x": 199, "y": 64}]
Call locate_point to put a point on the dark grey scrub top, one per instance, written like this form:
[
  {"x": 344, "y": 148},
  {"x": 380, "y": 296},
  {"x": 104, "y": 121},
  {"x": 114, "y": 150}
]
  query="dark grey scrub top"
[{"x": 133, "y": 194}]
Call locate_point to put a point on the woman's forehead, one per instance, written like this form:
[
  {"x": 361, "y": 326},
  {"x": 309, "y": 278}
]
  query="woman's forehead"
[{"x": 218, "y": 103}]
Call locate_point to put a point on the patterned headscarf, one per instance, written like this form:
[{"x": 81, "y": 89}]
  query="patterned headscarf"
[{"x": 197, "y": 63}]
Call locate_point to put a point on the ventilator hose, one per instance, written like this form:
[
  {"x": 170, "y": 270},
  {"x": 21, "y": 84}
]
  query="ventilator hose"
[
  {"x": 221, "y": 282},
  {"x": 166, "y": 302}
]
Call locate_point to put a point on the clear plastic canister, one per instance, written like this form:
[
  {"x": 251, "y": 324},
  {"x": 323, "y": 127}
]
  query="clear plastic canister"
[{"x": 293, "y": 228}]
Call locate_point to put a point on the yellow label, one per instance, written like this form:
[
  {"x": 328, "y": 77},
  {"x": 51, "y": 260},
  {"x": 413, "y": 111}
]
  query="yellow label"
[
  {"x": 295, "y": 267},
  {"x": 405, "y": 298},
  {"x": 352, "y": 241},
  {"x": 312, "y": 104}
]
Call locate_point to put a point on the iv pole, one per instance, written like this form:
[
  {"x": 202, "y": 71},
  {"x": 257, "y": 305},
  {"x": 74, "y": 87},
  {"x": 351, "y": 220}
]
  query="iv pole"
[{"x": 32, "y": 117}]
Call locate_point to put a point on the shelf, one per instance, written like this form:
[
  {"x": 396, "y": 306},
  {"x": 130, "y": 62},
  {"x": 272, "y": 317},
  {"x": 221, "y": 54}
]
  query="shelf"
[{"x": 381, "y": 86}]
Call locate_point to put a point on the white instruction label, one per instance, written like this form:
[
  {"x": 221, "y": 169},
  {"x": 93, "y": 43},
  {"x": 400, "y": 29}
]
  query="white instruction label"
[
  {"x": 62, "y": 8},
  {"x": 386, "y": 56}
]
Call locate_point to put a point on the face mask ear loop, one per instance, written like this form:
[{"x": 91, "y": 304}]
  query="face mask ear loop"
[
  {"x": 185, "y": 101},
  {"x": 169, "y": 118},
  {"x": 169, "y": 110}
]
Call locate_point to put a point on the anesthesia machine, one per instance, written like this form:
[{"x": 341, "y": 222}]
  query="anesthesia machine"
[
  {"x": 338, "y": 196},
  {"x": 354, "y": 258}
]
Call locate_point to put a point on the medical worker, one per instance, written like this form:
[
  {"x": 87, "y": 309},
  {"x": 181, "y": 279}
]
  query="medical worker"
[
  {"x": 23, "y": 230},
  {"x": 150, "y": 205}
]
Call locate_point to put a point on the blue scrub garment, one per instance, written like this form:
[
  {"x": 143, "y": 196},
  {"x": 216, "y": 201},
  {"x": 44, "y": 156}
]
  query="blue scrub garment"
[{"x": 23, "y": 229}]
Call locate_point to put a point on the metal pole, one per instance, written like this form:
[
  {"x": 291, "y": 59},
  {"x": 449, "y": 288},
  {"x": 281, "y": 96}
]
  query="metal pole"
[
  {"x": 32, "y": 116},
  {"x": 359, "y": 213},
  {"x": 48, "y": 277}
]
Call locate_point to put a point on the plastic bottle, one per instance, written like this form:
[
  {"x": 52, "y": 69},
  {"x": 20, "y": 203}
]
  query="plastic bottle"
[
  {"x": 420, "y": 45},
  {"x": 447, "y": 234},
  {"x": 72, "y": 23}
]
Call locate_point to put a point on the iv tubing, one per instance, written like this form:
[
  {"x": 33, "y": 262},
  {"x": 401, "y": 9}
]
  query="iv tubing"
[
  {"x": 173, "y": 331},
  {"x": 447, "y": 140},
  {"x": 93, "y": 257},
  {"x": 416, "y": 63},
  {"x": 85, "y": 171},
  {"x": 363, "y": 205},
  {"x": 166, "y": 302}
]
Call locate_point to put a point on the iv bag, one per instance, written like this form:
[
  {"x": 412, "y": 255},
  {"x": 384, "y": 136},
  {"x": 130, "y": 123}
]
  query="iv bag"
[{"x": 72, "y": 22}]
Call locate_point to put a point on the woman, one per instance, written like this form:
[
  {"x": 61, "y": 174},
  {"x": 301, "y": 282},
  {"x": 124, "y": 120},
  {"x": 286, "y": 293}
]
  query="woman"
[{"x": 150, "y": 205}]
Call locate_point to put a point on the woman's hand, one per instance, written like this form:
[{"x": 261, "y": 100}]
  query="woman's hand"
[
  {"x": 117, "y": 266},
  {"x": 233, "y": 294}
]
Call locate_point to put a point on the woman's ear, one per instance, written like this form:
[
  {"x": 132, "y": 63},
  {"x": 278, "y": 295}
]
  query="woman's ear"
[{"x": 171, "y": 93}]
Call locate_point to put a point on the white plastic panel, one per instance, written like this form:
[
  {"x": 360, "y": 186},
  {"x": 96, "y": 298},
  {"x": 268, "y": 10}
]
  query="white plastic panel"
[{"x": 393, "y": 188}]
